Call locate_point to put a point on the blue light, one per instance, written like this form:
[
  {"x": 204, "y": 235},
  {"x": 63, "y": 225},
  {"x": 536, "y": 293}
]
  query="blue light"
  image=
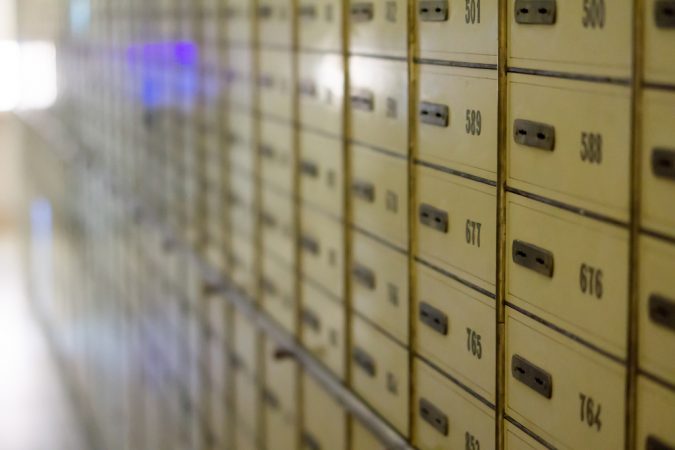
[
  {"x": 158, "y": 62},
  {"x": 41, "y": 219},
  {"x": 80, "y": 16}
]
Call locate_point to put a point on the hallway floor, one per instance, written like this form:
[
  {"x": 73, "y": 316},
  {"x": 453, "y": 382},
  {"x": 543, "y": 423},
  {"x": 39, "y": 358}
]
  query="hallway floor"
[{"x": 35, "y": 408}]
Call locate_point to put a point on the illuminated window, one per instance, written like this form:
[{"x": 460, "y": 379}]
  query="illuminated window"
[{"x": 28, "y": 78}]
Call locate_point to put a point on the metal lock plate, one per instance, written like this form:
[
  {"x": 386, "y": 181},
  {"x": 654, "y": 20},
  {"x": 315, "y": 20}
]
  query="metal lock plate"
[
  {"x": 270, "y": 399},
  {"x": 662, "y": 311},
  {"x": 434, "y": 114},
  {"x": 534, "y": 134},
  {"x": 363, "y": 99},
  {"x": 364, "y": 361},
  {"x": 268, "y": 219},
  {"x": 532, "y": 257},
  {"x": 433, "y": 10},
  {"x": 664, "y": 13},
  {"x": 362, "y": 12},
  {"x": 433, "y": 217},
  {"x": 268, "y": 286},
  {"x": 654, "y": 443},
  {"x": 364, "y": 190},
  {"x": 364, "y": 276},
  {"x": 309, "y": 168},
  {"x": 307, "y": 88},
  {"x": 310, "y": 442},
  {"x": 663, "y": 163},
  {"x": 266, "y": 151},
  {"x": 234, "y": 199},
  {"x": 433, "y": 416},
  {"x": 265, "y": 11},
  {"x": 311, "y": 320},
  {"x": 434, "y": 318},
  {"x": 532, "y": 376},
  {"x": 535, "y": 12},
  {"x": 265, "y": 81},
  {"x": 307, "y": 11},
  {"x": 309, "y": 244}
]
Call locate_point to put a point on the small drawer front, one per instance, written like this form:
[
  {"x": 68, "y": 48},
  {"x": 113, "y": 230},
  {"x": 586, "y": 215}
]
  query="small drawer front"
[
  {"x": 655, "y": 412},
  {"x": 239, "y": 138},
  {"x": 242, "y": 262},
  {"x": 245, "y": 343},
  {"x": 220, "y": 422},
  {"x": 280, "y": 429},
  {"x": 446, "y": 416},
  {"x": 320, "y": 25},
  {"x": 456, "y": 226},
  {"x": 379, "y": 373},
  {"x": 247, "y": 400},
  {"x": 378, "y": 27},
  {"x": 275, "y": 19},
  {"x": 320, "y": 92},
  {"x": 325, "y": 422},
  {"x": 276, "y": 217},
  {"x": 241, "y": 189},
  {"x": 238, "y": 25},
  {"x": 570, "y": 396},
  {"x": 276, "y": 155},
  {"x": 454, "y": 30},
  {"x": 378, "y": 102},
  {"x": 455, "y": 329},
  {"x": 657, "y": 308},
  {"x": 363, "y": 438},
  {"x": 218, "y": 370},
  {"x": 517, "y": 439},
  {"x": 379, "y": 193},
  {"x": 323, "y": 328},
  {"x": 281, "y": 372},
  {"x": 658, "y": 36},
  {"x": 570, "y": 142},
  {"x": 321, "y": 171},
  {"x": 275, "y": 83},
  {"x": 658, "y": 162},
  {"x": 242, "y": 217},
  {"x": 322, "y": 247},
  {"x": 278, "y": 295},
  {"x": 380, "y": 285},
  {"x": 569, "y": 270},
  {"x": 245, "y": 438},
  {"x": 238, "y": 77},
  {"x": 592, "y": 37},
  {"x": 464, "y": 137}
]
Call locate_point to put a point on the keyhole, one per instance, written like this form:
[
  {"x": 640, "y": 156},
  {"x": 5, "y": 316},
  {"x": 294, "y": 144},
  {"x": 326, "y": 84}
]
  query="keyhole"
[
  {"x": 663, "y": 312},
  {"x": 541, "y": 136},
  {"x": 666, "y": 163},
  {"x": 543, "y": 11}
]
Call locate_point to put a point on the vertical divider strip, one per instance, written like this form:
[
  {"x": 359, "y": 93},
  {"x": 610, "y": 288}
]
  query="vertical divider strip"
[
  {"x": 635, "y": 219},
  {"x": 412, "y": 201},
  {"x": 257, "y": 210},
  {"x": 502, "y": 161},
  {"x": 347, "y": 182},
  {"x": 226, "y": 170},
  {"x": 295, "y": 196}
]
